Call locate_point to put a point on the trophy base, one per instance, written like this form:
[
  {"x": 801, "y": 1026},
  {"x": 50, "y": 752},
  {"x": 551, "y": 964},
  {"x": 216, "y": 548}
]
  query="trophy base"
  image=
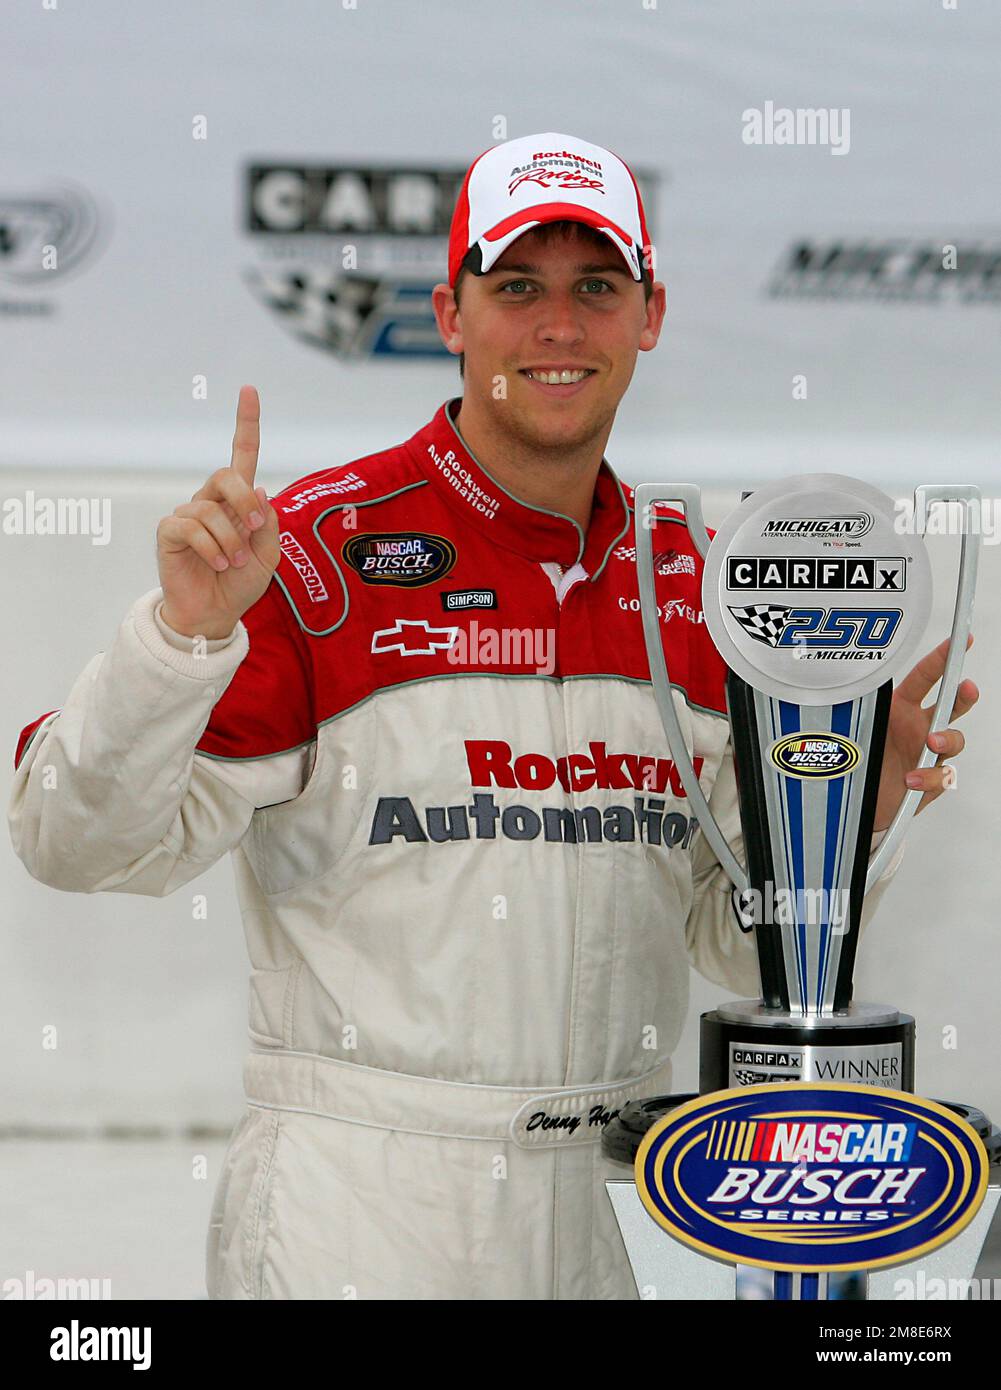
[{"x": 745, "y": 1044}]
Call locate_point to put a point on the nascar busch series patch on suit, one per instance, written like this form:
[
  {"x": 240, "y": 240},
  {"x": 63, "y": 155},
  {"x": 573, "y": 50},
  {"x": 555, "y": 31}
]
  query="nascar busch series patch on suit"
[
  {"x": 407, "y": 559},
  {"x": 801, "y": 1176}
]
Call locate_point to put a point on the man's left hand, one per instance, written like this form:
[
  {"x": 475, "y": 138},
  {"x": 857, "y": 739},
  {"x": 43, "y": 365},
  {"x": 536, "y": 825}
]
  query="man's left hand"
[{"x": 907, "y": 736}]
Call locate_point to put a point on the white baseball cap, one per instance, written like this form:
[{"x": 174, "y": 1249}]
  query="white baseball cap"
[{"x": 511, "y": 188}]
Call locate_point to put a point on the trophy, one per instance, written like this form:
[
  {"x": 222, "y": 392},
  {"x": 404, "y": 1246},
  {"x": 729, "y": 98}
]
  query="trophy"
[{"x": 815, "y": 598}]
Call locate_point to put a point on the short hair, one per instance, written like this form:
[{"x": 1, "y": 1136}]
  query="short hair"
[{"x": 546, "y": 233}]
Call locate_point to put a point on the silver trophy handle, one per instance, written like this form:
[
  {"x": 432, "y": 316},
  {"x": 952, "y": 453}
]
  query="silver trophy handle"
[
  {"x": 962, "y": 620},
  {"x": 646, "y": 495}
]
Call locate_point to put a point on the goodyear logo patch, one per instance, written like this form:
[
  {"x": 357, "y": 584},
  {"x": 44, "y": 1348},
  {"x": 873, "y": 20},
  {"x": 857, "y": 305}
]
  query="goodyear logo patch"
[
  {"x": 404, "y": 559},
  {"x": 815, "y": 756},
  {"x": 800, "y": 1176}
]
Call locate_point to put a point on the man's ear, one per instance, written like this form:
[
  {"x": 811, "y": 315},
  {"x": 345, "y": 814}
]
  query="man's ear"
[
  {"x": 447, "y": 317},
  {"x": 656, "y": 308}
]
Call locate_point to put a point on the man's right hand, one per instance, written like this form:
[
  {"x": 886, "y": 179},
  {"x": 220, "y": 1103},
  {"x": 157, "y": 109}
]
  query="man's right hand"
[{"x": 216, "y": 554}]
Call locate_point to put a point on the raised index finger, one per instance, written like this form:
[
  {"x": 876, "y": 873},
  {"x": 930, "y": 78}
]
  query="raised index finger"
[{"x": 247, "y": 438}]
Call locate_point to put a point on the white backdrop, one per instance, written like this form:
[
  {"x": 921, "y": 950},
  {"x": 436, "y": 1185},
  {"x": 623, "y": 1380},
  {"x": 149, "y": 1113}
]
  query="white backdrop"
[
  {"x": 139, "y": 123},
  {"x": 103, "y": 358}
]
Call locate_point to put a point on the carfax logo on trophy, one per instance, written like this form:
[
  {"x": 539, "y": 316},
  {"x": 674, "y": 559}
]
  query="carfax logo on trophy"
[
  {"x": 753, "y": 1066},
  {"x": 812, "y": 572}
]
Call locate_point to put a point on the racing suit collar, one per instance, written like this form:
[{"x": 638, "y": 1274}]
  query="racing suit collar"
[{"x": 533, "y": 532}]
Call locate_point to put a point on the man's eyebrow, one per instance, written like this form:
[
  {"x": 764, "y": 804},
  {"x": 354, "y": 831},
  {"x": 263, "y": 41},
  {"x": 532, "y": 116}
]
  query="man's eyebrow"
[
  {"x": 520, "y": 268},
  {"x": 603, "y": 268},
  {"x": 610, "y": 267}
]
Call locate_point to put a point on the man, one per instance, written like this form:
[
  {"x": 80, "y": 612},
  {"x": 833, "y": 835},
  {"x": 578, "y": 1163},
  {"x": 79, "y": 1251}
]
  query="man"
[{"x": 410, "y": 696}]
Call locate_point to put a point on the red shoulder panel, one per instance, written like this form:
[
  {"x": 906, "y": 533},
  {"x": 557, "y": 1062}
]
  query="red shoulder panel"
[
  {"x": 268, "y": 705},
  {"x": 27, "y": 734}
]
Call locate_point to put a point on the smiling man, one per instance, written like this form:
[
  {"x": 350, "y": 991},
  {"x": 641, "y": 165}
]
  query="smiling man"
[
  {"x": 471, "y": 888},
  {"x": 550, "y": 254}
]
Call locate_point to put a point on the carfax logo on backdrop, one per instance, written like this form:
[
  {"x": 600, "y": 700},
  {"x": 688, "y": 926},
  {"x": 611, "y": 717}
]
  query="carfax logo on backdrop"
[
  {"x": 895, "y": 270},
  {"x": 347, "y": 254},
  {"x": 797, "y": 1175}
]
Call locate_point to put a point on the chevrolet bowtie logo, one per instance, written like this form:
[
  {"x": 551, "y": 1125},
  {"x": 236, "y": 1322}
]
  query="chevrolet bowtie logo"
[{"x": 408, "y": 631}]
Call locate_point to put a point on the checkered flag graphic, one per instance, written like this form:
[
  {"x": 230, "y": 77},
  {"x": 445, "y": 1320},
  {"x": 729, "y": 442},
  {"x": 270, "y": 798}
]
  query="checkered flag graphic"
[
  {"x": 322, "y": 307},
  {"x": 759, "y": 1078},
  {"x": 762, "y": 621}
]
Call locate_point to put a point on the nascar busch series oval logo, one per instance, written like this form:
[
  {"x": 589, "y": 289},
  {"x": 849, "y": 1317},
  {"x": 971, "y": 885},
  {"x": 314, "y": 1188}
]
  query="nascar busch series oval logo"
[
  {"x": 797, "y": 1176},
  {"x": 815, "y": 756},
  {"x": 408, "y": 559}
]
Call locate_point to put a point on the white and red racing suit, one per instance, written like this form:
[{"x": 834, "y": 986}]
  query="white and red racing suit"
[{"x": 469, "y": 878}]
